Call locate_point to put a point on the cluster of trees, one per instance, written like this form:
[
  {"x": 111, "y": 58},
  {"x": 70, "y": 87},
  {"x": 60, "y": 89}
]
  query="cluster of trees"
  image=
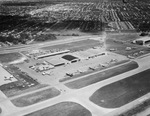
[
  {"x": 24, "y": 38},
  {"x": 44, "y": 37},
  {"x": 12, "y": 39},
  {"x": 144, "y": 26}
]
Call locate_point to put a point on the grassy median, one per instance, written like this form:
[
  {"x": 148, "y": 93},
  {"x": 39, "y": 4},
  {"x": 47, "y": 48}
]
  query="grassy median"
[
  {"x": 63, "y": 109},
  {"x": 35, "y": 97}
]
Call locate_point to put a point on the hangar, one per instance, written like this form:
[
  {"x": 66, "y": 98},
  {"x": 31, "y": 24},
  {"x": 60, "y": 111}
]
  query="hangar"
[{"x": 70, "y": 58}]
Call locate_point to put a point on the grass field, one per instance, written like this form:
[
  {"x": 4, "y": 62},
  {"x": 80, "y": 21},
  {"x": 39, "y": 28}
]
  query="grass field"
[
  {"x": 83, "y": 82},
  {"x": 74, "y": 46},
  {"x": 63, "y": 109},
  {"x": 24, "y": 84},
  {"x": 135, "y": 111},
  {"x": 9, "y": 57},
  {"x": 35, "y": 97},
  {"x": 124, "y": 36},
  {"x": 10, "y": 92},
  {"x": 122, "y": 92},
  {"x": 120, "y": 48},
  {"x": 121, "y": 42}
]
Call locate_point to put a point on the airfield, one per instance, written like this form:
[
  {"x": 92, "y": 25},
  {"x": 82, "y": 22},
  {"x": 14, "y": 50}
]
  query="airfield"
[{"x": 78, "y": 76}]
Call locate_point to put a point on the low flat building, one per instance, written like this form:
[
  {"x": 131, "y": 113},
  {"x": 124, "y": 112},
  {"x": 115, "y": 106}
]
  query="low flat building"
[
  {"x": 57, "y": 62},
  {"x": 52, "y": 54},
  {"x": 90, "y": 53}
]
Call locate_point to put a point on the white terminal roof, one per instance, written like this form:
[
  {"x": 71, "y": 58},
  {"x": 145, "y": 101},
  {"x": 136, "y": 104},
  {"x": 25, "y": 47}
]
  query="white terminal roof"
[
  {"x": 56, "y": 61},
  {"x": 88, "y": 53},
  {"x": 53, "y": 54},
  {"x": 6, "y": 77}
]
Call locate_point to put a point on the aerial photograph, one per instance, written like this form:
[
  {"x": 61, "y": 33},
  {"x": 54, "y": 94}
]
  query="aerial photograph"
[{"x": 74, "y": 57}]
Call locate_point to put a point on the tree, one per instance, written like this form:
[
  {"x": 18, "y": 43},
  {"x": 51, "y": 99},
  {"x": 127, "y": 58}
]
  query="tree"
[
  {"x": 144, "y": 26},
  {"x": 44, "y": 37}
]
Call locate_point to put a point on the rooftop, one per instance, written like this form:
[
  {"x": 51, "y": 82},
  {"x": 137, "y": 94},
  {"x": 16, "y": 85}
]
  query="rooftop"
[{"x": 69, "y": 57}]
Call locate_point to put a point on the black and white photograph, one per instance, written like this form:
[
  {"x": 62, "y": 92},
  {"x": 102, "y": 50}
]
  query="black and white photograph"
[{"x": 74, "y": 57}]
